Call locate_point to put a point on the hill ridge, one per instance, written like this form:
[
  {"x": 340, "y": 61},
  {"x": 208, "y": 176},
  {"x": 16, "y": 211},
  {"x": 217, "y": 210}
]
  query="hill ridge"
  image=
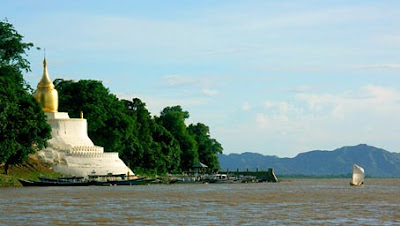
[{"x": 377, "y": 162}]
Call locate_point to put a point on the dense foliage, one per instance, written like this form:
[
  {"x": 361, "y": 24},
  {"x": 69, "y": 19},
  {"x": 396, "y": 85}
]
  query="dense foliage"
[
  {"x": 145, "y": 143},
  {"x": 103, "y": 110},
  {"x": 208, "y": 148},
  {"x": 23, "y": 127},
  {"x": 173, "y": 119},
  {"x": 156, "y": 148}
]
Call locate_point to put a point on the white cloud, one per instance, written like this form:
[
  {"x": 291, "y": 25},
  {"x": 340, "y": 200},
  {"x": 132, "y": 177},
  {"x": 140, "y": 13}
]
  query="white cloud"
[
  {"x": 204, "y": 82},
  {"x": 262, "y": 120},
  {"x": 179, "y": 80},
  {"x": 281, "y": 107},
  {"x": 302, "y": 89},
  {"x": 266, "y": 121},
  {"x": 382, "y": 94},
  {"x": 380, "y": 66},
  {"x": 367, "y": 100},
  {"x": 390, "y": 40},
  {"x": 268, "y": 104},
  {"x": 330, "y": 120},
  {"x": 317, "y": 103},
  {"x": 246, "y": 106},
  {"x": 210, "y": 92}
]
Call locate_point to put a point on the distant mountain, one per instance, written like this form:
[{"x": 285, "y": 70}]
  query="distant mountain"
[{"x": 377, "y": 162}]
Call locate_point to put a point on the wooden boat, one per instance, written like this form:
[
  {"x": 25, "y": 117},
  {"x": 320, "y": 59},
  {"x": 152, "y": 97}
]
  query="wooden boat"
[
  {"x": 107, "y": 177},
  {"x": 137, "y": 181},
  {"x": 220, "y": 178},
  {"x": 28, "y": 183},
  {"x": 358, "y": 176},
  {"x": 99, "y": 180},
  {"x": 118, "y": 179},
  {"x": 62, "y": 179}
]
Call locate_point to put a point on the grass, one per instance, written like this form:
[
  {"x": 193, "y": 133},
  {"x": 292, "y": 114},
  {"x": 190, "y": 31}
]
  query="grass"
[{"x": 30, "y": 170}]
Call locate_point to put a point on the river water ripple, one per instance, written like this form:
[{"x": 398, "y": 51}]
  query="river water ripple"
[{"x": 298, "y": 201}]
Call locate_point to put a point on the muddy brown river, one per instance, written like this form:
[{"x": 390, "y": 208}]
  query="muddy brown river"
[{"x": 295, "y": 201}]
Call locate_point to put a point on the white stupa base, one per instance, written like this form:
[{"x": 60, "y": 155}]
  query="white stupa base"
[
  {"x": 101, "y": 165},
  {"x": 71, "y": 152},
  {"x": 84, "y": 164}
]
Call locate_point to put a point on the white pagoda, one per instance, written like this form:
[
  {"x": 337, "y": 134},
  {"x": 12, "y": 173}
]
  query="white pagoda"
[{"x": 70, "y": 150}]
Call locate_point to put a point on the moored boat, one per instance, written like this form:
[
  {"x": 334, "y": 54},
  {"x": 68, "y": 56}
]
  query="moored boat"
[
  {"x": 137, "y": 181},
  {"x": 62, "y": 179},
  {"x": 118, "y": 179},
  {"x": 29, "y": 183},
  {"x": 220, "y": 178}
]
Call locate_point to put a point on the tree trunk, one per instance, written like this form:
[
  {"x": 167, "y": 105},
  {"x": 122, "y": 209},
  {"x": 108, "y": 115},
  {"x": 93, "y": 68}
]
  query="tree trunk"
[{"x": 6, "y": 168}]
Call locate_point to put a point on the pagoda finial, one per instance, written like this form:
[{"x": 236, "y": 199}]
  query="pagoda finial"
[
  {"x": 46, "y": 94},
  {"x": 44, "y": 58}
]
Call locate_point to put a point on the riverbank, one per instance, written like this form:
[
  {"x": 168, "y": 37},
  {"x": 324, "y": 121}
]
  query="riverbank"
[{"x": 29, "y": 170}]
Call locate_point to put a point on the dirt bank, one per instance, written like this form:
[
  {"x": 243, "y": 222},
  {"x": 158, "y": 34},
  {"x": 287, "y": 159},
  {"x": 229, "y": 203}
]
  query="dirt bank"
[{"x": 31, "y": 169}]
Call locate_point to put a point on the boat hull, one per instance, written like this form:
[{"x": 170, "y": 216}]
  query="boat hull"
[
  {"x": 28, "y": 183},
  {"x": 138, "y": 181}
]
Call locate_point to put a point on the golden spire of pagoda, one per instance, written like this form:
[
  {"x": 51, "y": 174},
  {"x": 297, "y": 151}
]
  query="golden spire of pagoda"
[{"x": 46, "y": 94}]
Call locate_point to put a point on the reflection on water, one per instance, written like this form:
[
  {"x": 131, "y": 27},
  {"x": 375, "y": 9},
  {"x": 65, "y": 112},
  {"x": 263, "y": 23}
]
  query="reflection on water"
[{"x": 299, "y": 201}]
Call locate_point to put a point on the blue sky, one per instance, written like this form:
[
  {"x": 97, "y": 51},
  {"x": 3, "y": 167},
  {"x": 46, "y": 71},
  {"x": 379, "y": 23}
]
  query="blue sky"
[{"x": 274, "y": 77}]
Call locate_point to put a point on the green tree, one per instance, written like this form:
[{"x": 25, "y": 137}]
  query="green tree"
[
  {"x": 169, "y": 147},
  {"x": 173, "y": 119},
  {"x": 12, "y": 49},
  {"x": 133, "y": 152},
  {"x": 23, "y": 126},
  {"x": 141, "y": 147},
  {"x": 107, "y": 123},
  {"x": 208, "y": 148},
  {"x": 151, "y": 147}
]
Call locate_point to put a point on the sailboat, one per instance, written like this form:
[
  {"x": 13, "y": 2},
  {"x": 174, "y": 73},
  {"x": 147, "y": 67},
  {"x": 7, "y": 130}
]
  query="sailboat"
[{"x": 358, "y": 176}]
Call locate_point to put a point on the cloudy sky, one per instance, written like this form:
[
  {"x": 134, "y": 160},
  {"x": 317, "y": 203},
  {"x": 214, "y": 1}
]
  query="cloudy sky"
[{"x": 274, "y": 77}]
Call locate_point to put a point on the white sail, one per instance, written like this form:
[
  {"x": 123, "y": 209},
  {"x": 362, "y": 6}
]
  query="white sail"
[{"x": 358, "y": 175}]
